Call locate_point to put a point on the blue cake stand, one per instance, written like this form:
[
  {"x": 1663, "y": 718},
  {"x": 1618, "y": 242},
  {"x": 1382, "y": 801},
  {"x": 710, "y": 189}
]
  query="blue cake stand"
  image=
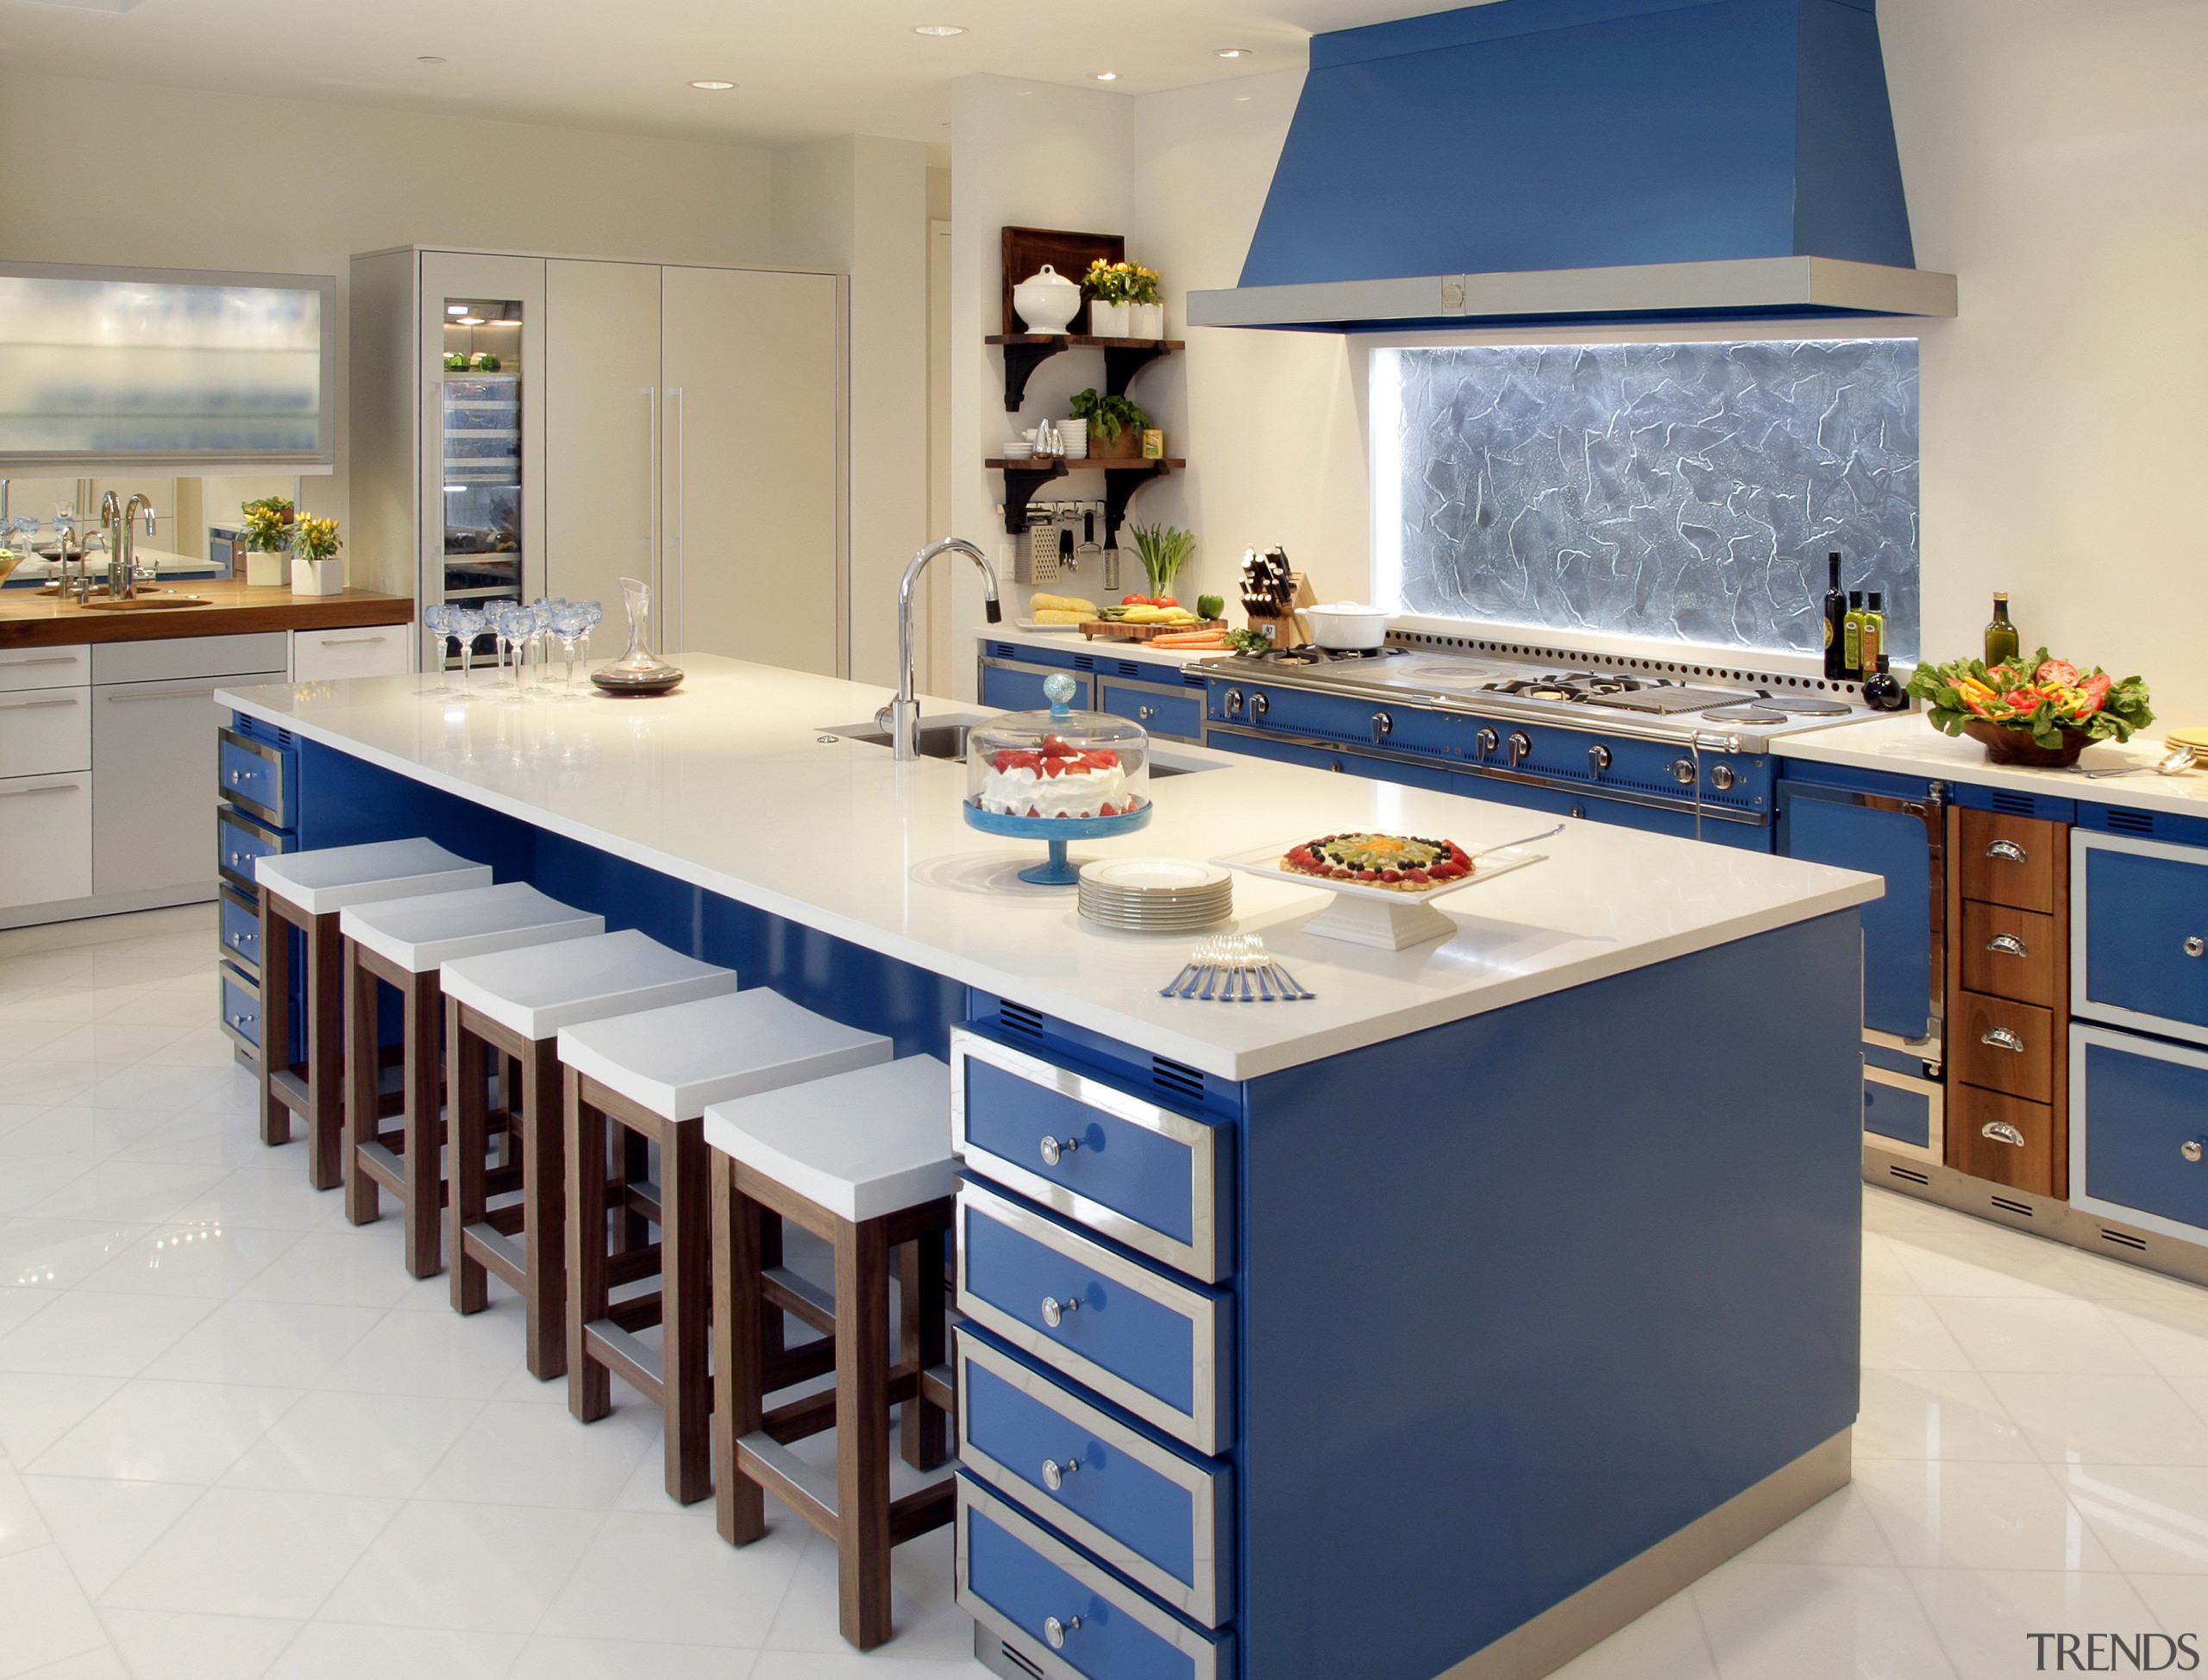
[{"x": 1059, "y": 832}]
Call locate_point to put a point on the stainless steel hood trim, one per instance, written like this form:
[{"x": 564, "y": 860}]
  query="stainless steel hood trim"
[{"x": 1770, "y": 284}]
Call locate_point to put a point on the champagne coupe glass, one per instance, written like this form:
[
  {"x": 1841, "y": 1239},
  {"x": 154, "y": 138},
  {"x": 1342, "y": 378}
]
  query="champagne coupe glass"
[
  {"x": 437, "y": 620},
  {"x": 499, "y": 617},
  {"x": 593, "y": 614},
  {"x": 542, "y": 612},
  {"x": 568, "y": 628},
  {"x": 465, "y": 623}
]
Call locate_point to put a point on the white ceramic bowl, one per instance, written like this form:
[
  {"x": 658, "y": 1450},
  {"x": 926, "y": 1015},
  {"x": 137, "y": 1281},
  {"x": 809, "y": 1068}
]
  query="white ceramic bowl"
[
  {"x": 1347, "y": 626},
  {"x": 1047, "y": 302}
]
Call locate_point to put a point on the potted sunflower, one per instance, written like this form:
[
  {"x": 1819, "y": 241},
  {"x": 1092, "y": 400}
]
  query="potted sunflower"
[{"x": 2036, "y": 710}]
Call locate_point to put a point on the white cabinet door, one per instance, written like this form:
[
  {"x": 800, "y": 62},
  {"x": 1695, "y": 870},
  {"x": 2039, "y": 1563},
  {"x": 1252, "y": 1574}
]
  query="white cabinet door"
[
  {"x": 44, "y": 730},
  {"x": 752, "y": 466},
  {"x": 371, "y": 650},
  {"x": 601, "y": 427},
  {"x": 46, "y": 834},
  {"x": 154, "y": 754}
]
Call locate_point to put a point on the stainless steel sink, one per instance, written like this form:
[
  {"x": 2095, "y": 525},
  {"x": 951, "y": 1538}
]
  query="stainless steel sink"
[{"x": 945, "y": 738}]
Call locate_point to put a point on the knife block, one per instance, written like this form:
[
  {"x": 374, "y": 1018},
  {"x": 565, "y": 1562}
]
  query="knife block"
[{"x": 1291, "y": 628}]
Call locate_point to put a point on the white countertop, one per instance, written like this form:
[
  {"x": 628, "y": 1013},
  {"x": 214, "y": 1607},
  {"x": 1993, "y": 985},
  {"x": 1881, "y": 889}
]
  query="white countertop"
[
  {"x": 727, "y": 784},
  {"x": 1906, "y": 744}
]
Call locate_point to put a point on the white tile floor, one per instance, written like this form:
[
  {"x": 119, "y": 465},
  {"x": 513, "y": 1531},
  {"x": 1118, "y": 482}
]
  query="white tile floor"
[{"x": 236, "y": 1440}]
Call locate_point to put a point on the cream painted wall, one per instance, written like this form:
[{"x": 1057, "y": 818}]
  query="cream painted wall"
[
  {"x": 2056, "y": 157},
  {"x": 171, "y": 178}
]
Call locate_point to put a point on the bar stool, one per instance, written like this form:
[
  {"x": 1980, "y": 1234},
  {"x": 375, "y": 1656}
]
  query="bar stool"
[
  {"x": 652, "y": 1075},
  {"x": 404, "y": 943},
  {"x": 306, "y": 890},
  {"x": 514, "y": 1003},
  {"x": 862, "y": 1160}
]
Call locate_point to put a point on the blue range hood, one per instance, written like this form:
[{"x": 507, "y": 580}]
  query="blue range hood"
[{"x": 1536, "y": 160}]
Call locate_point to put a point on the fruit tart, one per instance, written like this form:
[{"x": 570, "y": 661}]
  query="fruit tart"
[{"x": 1397, "y": 862}]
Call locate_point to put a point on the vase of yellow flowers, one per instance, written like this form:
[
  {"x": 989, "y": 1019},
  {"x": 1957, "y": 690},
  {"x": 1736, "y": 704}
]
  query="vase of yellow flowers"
[
  {"x": 1116, "y": 291},
  {"x": 315, "y": 568},
  {"x": 268, "y": 525}
]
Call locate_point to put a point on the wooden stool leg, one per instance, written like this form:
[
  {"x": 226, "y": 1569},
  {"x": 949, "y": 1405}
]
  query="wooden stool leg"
[
  {"x": 325, "y": 1054},
  {"x": 469, "y": 1095},
  {"x": 275, "y": 1019},
  {"x": 863, "y": 1431},
  {"x": 685, "y": 1270},
  {"x": 544, "y": 1208},
  {"x": 590, "y": 1390},
  {"x": 923, "y": 1429},
  {"x": 424, "y": 1126},
  {"x": 363, "y": 1065},
  {"x": 739, "y": 1349}
]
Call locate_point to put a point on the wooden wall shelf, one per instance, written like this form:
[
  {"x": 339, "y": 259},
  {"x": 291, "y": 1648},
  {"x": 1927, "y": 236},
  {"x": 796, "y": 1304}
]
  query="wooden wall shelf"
[
  {"x": 1123, "y": 476},
  {"x": 1124, "y": 358}
]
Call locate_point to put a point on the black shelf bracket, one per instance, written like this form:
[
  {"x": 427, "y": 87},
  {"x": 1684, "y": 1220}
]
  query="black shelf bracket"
[
  {"x": 1021, "y": 361},
  {"x": 1123, "y": 361},
  {"x": 1120, "y": 483},
  {"x": 1020, "y": 484}
]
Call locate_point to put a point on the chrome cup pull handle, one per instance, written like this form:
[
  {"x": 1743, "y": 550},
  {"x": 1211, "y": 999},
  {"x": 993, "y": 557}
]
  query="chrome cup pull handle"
[
  {"x": 2008, "y": 851},
  {"x": 2002, "y": 1038},
  {"x": 1055, "y": 1474},
  {"x": 1053, "y": 1147},
  {"x": 1056, "y": 1311},
  {"x": 2007, "y": 945},
  {"x": 2002, "y": 1132}
]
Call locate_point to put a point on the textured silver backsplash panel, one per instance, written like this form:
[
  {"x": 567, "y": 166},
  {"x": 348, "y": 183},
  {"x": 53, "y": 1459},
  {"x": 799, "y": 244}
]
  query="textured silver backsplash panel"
[{"x": 1682, "y": 492}]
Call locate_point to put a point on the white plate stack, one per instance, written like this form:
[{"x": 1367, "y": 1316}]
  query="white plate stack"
[{"x": 1155, "y": 895}]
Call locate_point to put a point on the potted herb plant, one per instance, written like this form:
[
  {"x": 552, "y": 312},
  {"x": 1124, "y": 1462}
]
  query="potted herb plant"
[
  {"x": 315, "y": 568},
  {"x": 2035, "y": 710},
  {"x": 268, "y": 525},
  {"x": 1115, "y": 424}
]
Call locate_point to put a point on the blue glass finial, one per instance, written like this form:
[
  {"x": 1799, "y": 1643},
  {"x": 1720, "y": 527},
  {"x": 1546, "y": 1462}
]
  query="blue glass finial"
[{"x": 1058, "y": 690}]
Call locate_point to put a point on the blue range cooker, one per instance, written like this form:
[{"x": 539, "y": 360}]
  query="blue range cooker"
[{"x": 1644, "y": 743}]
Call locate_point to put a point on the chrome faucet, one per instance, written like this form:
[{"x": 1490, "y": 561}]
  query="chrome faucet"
[
  {"x": 903, "y": 713},
  {"x": 119, "y": 523}
]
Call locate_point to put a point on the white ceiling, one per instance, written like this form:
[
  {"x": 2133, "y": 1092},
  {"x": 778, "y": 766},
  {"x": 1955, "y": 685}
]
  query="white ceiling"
[{"x": 804, "y": 68}]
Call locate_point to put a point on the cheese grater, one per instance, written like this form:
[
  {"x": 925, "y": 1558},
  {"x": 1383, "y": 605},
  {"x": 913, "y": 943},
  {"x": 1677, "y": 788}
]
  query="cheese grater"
[{"x": 1038, "y": 555}]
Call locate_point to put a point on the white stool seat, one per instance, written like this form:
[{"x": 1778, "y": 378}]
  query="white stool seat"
[
  {"x": 538, "y": 990},
  {"x": 420, "y": 934},
  {"x": 674, "y": 1061},
  {"x": 861, "y": 1144},
  {"x": 320, "y": 882}
]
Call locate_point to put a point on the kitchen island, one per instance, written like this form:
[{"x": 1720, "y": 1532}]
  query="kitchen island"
[{"x": 1458, "y": 1353}]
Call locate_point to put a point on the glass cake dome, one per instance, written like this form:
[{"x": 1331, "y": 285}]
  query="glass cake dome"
[{"x": 1057, "y": 775}]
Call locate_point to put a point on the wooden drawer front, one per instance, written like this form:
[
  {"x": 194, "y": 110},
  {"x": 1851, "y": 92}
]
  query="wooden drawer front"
[
  {"x": 240, "y": 1007},
  {"x": 1158, "y": 1513},
  {"x": 1058, "y": 1608},
  {"x": 2014, "y": 954},
  {"x": 2141, "y": 935},
  {"x": 1160, "y": 714},
  {"x": 2139, "y": 1131},
  {"x": 241, "y": 929},
  {"x": 46, "y": 839},
  {"x": 238, "y": 841},
  {"x": 375, "y": 650},
  {"x": 2010, "y": 860},
  {"x": 1141, "y": 1175},
  {"x": 256, "y": 776},
  {"x": 1161, "y": 1348},
  {"x": 46, "y": 668},
  {"x": 46, "y": 732},
  {"x": 2005, "y": 1046},
  {"x": 2006, "y": 1139}
]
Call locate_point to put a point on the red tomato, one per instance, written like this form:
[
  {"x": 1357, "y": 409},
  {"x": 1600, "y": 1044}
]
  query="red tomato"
[
  {"x": 1163, "y": 601},
  {"x": 1136, "y": 601}
]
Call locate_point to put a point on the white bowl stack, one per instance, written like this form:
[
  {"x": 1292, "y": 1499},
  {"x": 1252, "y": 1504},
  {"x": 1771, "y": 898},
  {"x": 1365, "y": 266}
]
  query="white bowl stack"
[{"x": 1155, "y": 895}]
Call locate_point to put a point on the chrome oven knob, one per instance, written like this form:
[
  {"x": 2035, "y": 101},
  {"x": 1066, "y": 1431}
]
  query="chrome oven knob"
[
  {"x": 1259, "y": 705},
  {"x": 1486, "y": 741},
  {"x": 1598, "y": 758},
  {"x": 1230, "y": 702},
  {"x": 1383, "y": 725},
  {"x": 1723, "y": 777},
  {"x": 1521, "y": 746},
  {"x": 1683, "y": 772}
]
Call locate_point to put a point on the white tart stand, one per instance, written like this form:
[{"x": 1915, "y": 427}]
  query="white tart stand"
[{"x": 1362, "y": 914}]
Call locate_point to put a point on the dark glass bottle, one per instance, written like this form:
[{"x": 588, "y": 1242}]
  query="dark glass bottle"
[
  {"x": 1882, "y": 690},
  {"x": 2000, "y": 635},
  {"x": 1835, "y": 625}
]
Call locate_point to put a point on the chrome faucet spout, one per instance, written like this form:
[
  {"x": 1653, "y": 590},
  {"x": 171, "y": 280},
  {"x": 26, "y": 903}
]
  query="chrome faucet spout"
[
  {"x": 113, "y": 526},
  {"x": 905, "y": 710}
]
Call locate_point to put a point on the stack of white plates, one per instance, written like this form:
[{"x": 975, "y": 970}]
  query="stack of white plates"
[{"x": 1155, "y": 895}]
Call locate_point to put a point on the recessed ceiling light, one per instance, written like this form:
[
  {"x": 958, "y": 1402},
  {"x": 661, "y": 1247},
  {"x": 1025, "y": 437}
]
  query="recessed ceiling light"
[
  {"x": 714, "y": 87},
  {"x": 939, "y": 30},
  {"x": 1108, "y": 75},
  {"x": 455, "y": 309},
  {"x": 429, "y": 58},
  {"x": 1232, "y": 52}
]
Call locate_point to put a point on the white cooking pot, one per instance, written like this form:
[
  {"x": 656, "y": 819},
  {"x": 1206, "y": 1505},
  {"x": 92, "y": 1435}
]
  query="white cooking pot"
[
  {"x": 1047, "y": 301},
  {"x": 1346, "y": 626}
]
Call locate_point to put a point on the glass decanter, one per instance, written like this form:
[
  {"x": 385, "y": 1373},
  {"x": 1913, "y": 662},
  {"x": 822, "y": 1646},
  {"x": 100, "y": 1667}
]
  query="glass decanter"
[{"x": 636, "y": 671}]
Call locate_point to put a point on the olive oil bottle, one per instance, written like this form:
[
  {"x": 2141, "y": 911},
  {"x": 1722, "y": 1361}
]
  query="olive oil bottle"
[
  {"x": 2000, "y": 635},
  {"x": 1836, "y": 624},
  {"x": 1851, "y": 638},
  {"x": 1872, "y": 638}
]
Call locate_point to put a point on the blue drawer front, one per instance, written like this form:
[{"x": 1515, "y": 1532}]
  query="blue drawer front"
[
  {"x": 1896, "y": 928},
  {"x": 2142, "y": 908},
  {"x": 240, "y": 1007},
  {"x": 237, "y": 843},
  {"x": 257, "y": 776},
  {"x": 1169, "y": 1531},
  {"x": 241, "y": 925},
  {"x": 1904, "y": 1116},
  {"x": 1160, "y": 714},
  {"x": 2139, "y": 1113},
  {"x": 1143, "y": 1175},
  {"x": 1022, "y": 690},
  {"x": 1007, "y": 1572}
]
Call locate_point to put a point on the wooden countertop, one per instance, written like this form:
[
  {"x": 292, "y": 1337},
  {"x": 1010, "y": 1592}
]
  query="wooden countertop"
[{"x": 28, "y": 619}]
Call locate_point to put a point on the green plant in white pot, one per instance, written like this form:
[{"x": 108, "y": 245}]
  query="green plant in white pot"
[
  {"x": 268, "y": 525},
  {"x": 315, "y": 568}
]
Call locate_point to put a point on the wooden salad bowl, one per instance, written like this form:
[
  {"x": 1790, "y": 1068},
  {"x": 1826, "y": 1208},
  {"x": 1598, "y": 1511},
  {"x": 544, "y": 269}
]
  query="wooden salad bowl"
[{"x": 2007, "y": 745}]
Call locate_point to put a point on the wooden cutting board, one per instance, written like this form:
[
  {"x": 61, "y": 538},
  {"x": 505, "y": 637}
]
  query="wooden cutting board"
[{"x": 1112, "y": 630}]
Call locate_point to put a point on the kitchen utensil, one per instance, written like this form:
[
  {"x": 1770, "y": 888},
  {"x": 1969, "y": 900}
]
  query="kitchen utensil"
[
  {"x": 1347, "y": 626},
  {"x": 1089, "y": 550},
  {"x": 1386, "y": 918},
  {"x": 1234, "y": 968},
  {"x": 1046, "y": 301},
  {"x": 2188, "y": 749},
  {"x": 1067, "y": 558}
]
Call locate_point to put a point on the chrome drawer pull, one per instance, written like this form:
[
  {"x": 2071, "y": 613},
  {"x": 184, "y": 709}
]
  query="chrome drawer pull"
[
  {"x": 349, "y": 641},
  {"x": 34, "y": 706},
  {"x": 62, "y": 659},
  {"x": 1146, "y": 712},
  {"x": 2196, "y": 946},
  {"x": 1055, "y": 1310},
  {"x": 239, "y": 1021},
  {"x": 1056, "y": 1631},
  {"x": 1055, "y": 1147},
  {"x": 2002, "y": 1132},
  {"x": 2007, "y": 945},
  {"x": 1055, "y": 1474},
  {"x": 2191, "y": 1150},
  {"x": 2002, "y": 1038},
  {"x": 26, "y": 792},
  {"x": 2007, "y": 850}
]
